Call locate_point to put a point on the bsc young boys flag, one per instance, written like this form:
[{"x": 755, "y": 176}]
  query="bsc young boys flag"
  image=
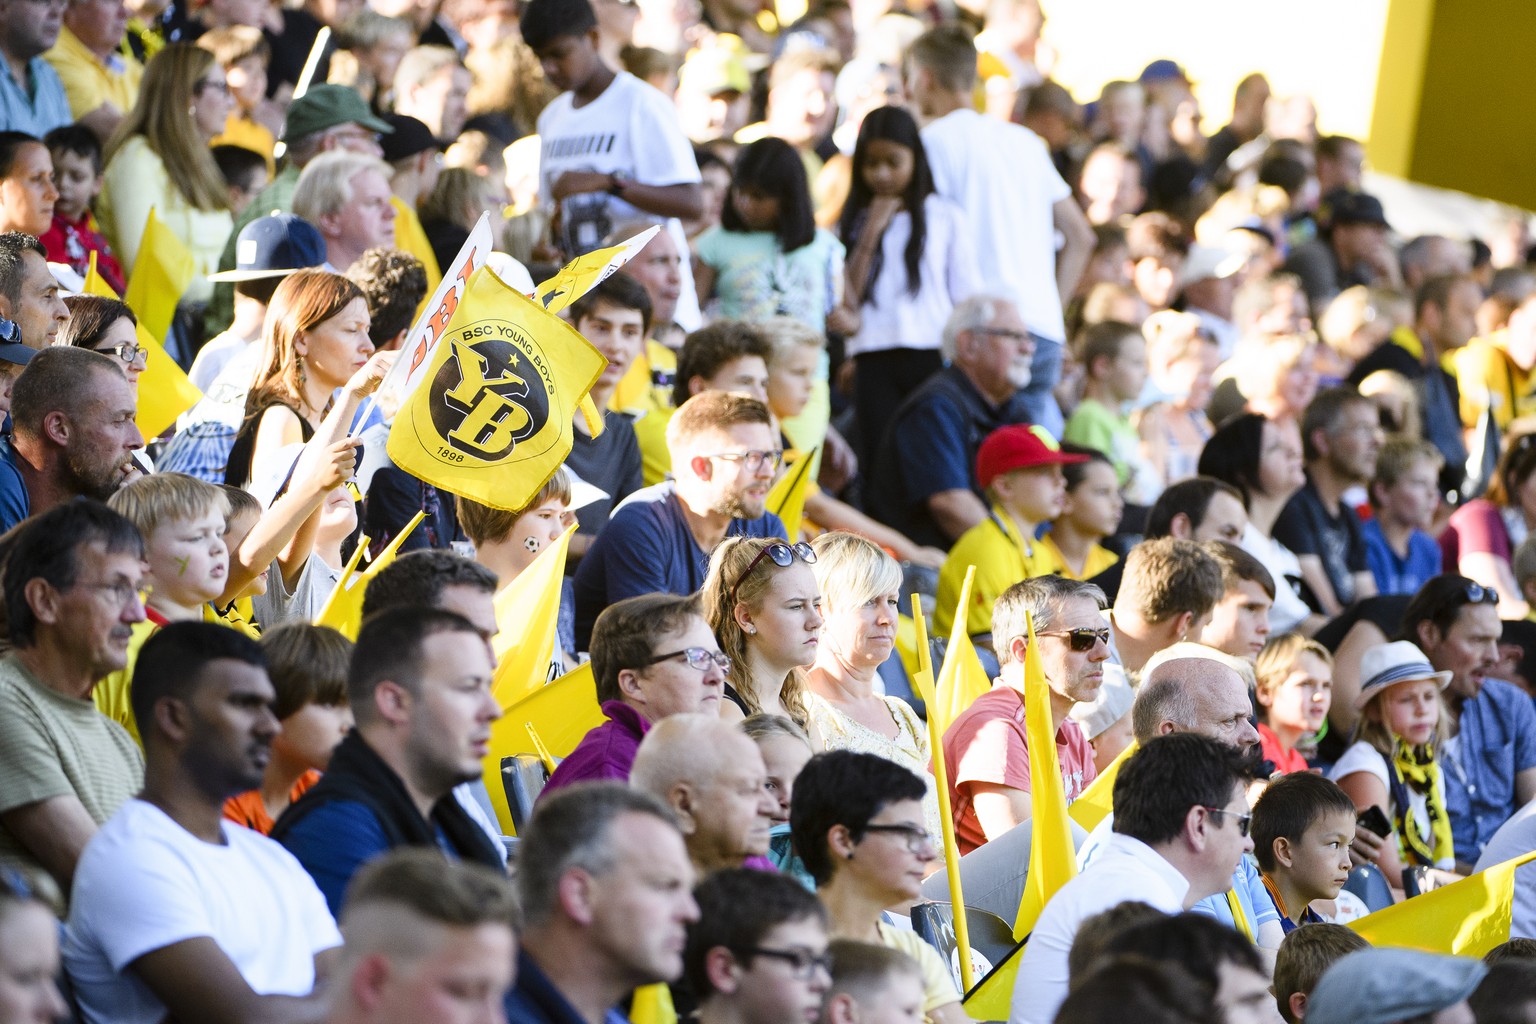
[
  {"x": 492, "y": 417},
  {"x": 164, "y": 390}
]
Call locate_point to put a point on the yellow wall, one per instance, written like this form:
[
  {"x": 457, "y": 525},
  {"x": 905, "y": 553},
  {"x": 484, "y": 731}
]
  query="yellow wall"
[{"x": 1327, "y": 49}]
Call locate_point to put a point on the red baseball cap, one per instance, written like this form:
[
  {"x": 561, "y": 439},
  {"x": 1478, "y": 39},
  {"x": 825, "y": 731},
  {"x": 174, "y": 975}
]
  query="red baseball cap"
[{"x": 1019, "y": 447}]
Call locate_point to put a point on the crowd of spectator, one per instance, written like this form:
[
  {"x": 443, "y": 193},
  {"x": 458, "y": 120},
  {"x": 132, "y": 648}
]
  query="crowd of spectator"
[{"x": 1248, "y": 469}]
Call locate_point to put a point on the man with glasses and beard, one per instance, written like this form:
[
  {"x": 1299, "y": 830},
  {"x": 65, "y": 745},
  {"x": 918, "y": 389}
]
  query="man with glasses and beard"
[
  {"x": 986, "y": 749},
  {"x": 724, "y": 454}
]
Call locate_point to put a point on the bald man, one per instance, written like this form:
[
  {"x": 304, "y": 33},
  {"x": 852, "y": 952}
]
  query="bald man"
[
  {"x": 713, "y": 778},
  {"x": 1189, "y": 687}
]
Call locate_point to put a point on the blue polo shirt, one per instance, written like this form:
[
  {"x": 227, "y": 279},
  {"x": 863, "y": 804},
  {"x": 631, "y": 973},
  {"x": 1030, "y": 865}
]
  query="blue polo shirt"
[
  {"x": 1496, "y": 742},
  {"x": 15, "y": 503},
  {"x": 1400, "y": 575},
  {"x": 647, "y": 548},
  {"x": 39, "y": 111},
  {"x": 930, "y": 447}
]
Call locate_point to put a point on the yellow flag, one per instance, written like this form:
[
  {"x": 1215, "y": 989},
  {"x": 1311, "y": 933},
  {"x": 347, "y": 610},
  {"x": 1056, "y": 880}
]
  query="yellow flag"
[
  {"x": 164, "y": 268},
  {"x": 343, "y": 609},
  {"x": 526, "y": 612},
  {"x": 992, "y": 999},
  {"x": 925, "y": 687},
  {"x": 1466, "y": 918},
  {"x": 961, "y": 679},
  {"x": 786, "y": 498},
  {"x": 584, "y": 273},
  {"x": 1052, "y": 860},
  {"x": 164, "y": 390},
  {"x": 560, "y": 714},
  {"x": 492, "y": 419},
  {"x": 653, "y": 1005},
  {"x": 1095, "y": 803}
]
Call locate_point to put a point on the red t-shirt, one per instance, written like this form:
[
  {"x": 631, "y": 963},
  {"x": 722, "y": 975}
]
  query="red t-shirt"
[
  {"x": 988, "y": 744},
  {"x": 1285, "y": 761}
]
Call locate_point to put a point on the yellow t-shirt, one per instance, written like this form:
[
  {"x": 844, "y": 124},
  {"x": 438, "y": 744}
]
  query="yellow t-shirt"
[
  {"x": 651, "y": 435},
  {"x": 247, "y": 134},
  {"x": 647, "y": 384},
  {"x": 1002, "y": 557},
  {"x": 938, "y": 984},
  {"x": 1099, "y": 559},
  {"x": 88, "y": 83},
  {"x": 111, "y": 694},
  {"x": 1488, "y": 377}
]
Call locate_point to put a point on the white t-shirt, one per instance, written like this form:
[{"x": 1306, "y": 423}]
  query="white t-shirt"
[
  {"x": 631, "y": 129},
  {"x": 1289, "y": 610},
  {"x": 891, "y": 316},
  {"x": 144, "y": 883},
  {"x": 1002, "y": 176}
]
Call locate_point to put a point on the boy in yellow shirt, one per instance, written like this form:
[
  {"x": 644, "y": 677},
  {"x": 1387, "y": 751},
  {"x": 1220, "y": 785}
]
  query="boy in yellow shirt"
[{"x": 1020, "y": 469}]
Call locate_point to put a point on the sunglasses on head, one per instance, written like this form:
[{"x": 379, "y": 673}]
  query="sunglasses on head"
[
  {"x": 1080, "y": 640},
  {"x": 1476, "y": 593},
  {"x": 781, "y": 554}
]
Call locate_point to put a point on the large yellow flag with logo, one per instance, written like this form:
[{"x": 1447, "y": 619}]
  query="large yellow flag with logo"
[
  {"x": 559, "y": 714},
  {"x": 1466, "y": 918},
  {"x": 492, "y": 417},
  {"x": 343, "y": 609},
  {"x": 786, "y": 498},
  {"x": 526, "y": 613},
  {"x": 1052, "y": 859},
  {"x": 161, "y": 273},
  {"x": 961, "y": 679},
  {"x": 165, "y": 392}
]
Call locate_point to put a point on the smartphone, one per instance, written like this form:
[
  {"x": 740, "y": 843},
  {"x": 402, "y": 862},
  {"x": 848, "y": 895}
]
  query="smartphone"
[{"x": 1375, "y": 820}]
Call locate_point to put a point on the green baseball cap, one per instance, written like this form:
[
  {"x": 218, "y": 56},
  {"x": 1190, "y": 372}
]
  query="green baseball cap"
[{"x": 326, "y": 106}]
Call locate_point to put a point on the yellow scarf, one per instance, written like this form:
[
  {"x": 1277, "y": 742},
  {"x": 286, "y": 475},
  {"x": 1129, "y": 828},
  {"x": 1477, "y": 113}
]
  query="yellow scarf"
[{"x": 1415, "y": 767}]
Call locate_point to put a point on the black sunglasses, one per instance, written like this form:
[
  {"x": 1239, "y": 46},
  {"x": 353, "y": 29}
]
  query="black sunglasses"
[
  {"x": 1476, "y": 593},
  {"x": 781, "y": 554},
  {"x": 1080, "y": 640}
]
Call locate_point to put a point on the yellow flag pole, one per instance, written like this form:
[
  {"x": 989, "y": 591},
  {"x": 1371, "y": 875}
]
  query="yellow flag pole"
[{"x": 946, "y": 814}]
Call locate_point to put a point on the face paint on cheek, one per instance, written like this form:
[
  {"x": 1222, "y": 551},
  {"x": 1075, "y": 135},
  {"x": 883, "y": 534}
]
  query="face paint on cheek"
[
  {"x": 531, "y": 543},
  {"x": 181, "y": 565}
]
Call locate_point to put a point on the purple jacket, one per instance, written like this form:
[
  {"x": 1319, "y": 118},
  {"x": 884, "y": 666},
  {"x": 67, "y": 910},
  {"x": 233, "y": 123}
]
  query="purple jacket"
[{"x": 605, "y": 752}]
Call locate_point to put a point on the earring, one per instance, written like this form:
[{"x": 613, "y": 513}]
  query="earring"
[
  {"x": 303, "y": 377},
  {"x": 751, "y": 631}
]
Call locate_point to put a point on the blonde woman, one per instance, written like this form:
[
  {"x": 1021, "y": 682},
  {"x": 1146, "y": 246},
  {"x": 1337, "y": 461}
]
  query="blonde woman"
[
  {"x": 860, "y": 594},
  {"x": 159, "y": 158},
  {"x": 1279, "y": 378},
  {"x": 761, "y": 600}
]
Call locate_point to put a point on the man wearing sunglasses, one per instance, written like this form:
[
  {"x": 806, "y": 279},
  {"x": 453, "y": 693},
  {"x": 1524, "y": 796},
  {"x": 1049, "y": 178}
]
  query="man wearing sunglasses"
[
  {"x": 1180, "y": 829},
  {"x": 724, "y": 454},
  {"x": 986, "y": 749}
]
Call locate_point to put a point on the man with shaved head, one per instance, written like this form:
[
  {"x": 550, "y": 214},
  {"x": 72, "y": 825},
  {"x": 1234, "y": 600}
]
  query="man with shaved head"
[{"x": 713, "y": 778}]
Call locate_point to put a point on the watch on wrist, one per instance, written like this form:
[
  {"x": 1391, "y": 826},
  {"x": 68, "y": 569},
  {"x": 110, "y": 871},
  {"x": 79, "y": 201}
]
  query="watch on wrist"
[{"x": 616, "y": 183}]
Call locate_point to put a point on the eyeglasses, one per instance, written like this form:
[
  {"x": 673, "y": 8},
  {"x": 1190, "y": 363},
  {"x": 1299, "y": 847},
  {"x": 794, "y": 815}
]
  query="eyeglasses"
[
  {"x": 128, "y": 351},
  {"x": 698, "y": 658},
  {"x": 356, "y": 135},
  {"x": 1243, "y": 820},
  {"x": 802, "y": 962},
  {"x": 121, "y": 591},
  {"x": 1017, "y": 337},
  {"x": 918, "y": 839},
  {"x": 782, "y": 555},
  {"x": 753, "y": 461},
  {"x": 1080, "y": 640},
  {"x": 220, "y": 87}
]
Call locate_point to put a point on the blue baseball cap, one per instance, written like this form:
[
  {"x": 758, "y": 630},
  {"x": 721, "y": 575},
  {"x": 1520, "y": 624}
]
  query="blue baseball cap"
[
  {"x": 274, "y": 246},
  {"x": 11, "y": 348}
]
